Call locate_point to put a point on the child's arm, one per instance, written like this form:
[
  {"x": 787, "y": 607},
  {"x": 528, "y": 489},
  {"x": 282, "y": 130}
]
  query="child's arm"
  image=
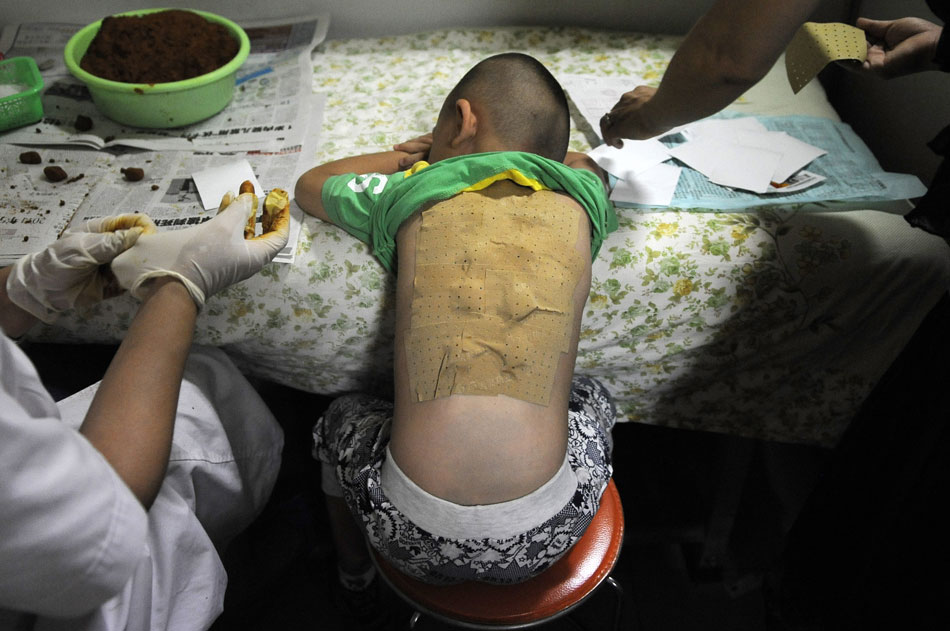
[
  {"x": 309, "y": 188},
  {"x": 578, "y": 160}
]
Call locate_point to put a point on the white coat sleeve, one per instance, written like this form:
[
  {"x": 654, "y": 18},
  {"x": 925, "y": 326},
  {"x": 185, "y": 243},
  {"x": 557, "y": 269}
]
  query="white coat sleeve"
[
  {"x": 225, "y": 457},
  {"x": 71, "y": 531}
]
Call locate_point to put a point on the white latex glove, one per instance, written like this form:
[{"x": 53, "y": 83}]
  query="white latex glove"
[
  {"x": 206, "y": 258},
  {"x": 67, "y": 274}
]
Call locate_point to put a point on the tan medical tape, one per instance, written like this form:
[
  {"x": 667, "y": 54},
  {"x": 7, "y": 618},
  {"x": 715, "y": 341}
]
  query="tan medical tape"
[{"x": 492, "y": 307}]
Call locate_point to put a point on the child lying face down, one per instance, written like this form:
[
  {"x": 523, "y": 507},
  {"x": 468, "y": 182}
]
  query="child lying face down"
[{"x": 491, "y": 460}]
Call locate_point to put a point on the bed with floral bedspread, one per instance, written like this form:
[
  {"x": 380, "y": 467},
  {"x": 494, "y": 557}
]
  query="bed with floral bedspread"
[{"x": 772, "y": 323}]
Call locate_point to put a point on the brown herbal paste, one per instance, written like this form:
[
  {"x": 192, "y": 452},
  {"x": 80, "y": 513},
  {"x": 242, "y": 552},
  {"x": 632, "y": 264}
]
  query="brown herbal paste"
[{"x": 158, "y": 47}]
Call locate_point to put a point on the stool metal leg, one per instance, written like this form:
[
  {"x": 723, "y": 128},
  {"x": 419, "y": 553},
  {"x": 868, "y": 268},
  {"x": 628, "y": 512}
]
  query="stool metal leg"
[{"x": 618, "y": 608}]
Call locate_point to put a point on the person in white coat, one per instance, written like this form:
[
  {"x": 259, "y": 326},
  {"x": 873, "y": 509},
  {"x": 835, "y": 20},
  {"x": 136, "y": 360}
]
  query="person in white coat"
[{"x": 115, "y": 502}]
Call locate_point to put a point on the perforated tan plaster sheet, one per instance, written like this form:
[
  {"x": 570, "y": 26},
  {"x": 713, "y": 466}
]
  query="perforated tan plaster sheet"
[
  {"x": 817, "y": 44},
  {"x": 492, "y": 307}
]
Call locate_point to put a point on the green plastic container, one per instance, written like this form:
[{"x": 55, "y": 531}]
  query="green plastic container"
[
  {"x": 24, "y": 107},
  {"x": 160, "y": 105}
]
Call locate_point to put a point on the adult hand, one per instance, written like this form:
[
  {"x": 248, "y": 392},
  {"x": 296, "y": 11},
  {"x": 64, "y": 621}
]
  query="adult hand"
[
  {"x": 417, "y": 148},
  {"x": 68, "y": 273},
  {"x": 206, "y": 258},
  {"x": 627, "y": 120},
  {"x": 899, "y": 47}
]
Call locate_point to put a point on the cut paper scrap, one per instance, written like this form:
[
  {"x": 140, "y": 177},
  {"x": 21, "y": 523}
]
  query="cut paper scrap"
[
  {"x": 798, "y": 182},
  {"x": 746, "y": 168},
  {"x": 653, "y": 187},
  {"x": 721, "y": 127},
  {"x": 795, "y": 153},
  {"x": 729, "y": 164},
  {"x": 595, "y": 96},
  {"x": 816, "y": 44},
  {"x": 212, "y": 183},
  {"x": 635, "y": 156}
]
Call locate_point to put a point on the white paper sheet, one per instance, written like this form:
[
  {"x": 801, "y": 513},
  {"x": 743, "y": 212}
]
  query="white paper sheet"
[
  {"x": 721, "y": 127},
  {"x": 745, "y": 168},
  {"x": 653, "y": 187},
  {"x": 212, "y": 183},
  {"x": 595, "y": 96},
  {"x": 795, "y": 154},
  {"x": 634, "y": 157}
]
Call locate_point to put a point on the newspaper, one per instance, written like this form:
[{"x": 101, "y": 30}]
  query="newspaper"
[
  {"x": 268, "y": 109},
  {"x": 32, "y": 212},
  {"x": 35, "y": 211}
]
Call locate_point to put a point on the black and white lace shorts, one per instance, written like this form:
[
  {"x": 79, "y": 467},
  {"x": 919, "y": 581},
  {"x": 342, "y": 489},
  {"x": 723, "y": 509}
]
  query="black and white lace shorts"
[{"x": 351, "y": 440}]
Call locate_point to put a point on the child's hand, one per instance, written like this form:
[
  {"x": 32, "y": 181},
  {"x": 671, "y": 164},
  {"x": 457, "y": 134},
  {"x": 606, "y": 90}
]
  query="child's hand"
[{"x": 417, "y": 148}]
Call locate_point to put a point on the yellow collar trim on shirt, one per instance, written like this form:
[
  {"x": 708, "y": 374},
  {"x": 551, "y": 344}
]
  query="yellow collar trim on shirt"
[
  {"x": 514, "y": 175},
  {"x": 415, "y": 168}
]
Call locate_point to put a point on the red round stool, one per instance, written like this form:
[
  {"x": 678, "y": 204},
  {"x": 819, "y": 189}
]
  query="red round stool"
[{"x": 553, "y": 593}]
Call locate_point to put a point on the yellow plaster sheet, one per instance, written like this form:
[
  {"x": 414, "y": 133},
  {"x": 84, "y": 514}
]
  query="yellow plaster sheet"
[{"x": 492, "y": 307}]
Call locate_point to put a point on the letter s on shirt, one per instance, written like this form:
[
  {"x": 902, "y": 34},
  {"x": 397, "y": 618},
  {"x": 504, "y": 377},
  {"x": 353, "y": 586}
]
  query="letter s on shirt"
[{"x": 362, "y": 182}]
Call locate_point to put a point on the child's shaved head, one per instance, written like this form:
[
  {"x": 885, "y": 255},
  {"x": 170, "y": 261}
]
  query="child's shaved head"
[{"x": 524, "y": 103}]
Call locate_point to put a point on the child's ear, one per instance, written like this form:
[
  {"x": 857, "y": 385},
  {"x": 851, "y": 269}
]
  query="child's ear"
[{"x": 467, "y": 124}]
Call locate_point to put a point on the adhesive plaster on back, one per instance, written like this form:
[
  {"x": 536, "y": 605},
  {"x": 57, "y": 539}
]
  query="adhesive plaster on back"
[
  {"x": 815, "y": 45},
  {"x": 492, "y": 307}
]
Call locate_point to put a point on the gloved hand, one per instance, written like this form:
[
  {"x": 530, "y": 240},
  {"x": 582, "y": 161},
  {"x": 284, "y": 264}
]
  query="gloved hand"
[
  {"x": 67, "y": 274},
  {"x": 206, "y": 258}
]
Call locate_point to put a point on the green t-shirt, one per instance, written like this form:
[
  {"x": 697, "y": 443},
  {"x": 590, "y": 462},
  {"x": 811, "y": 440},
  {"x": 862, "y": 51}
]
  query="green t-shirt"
[{"x": 372, "y": 206}]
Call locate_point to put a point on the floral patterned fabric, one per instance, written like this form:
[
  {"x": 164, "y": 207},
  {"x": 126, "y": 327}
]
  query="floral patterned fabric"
[{"x": 773, "y": 323}]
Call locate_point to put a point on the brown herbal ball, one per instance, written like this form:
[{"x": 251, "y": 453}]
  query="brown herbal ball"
[
  {"x": 55, "y": 174},
  {"x": 132, "y": 174},
  {"x": 83, "y": 123}
]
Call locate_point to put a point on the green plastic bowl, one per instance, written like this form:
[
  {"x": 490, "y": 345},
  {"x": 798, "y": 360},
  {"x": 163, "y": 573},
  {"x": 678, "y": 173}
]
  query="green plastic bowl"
[{"x": 160, "y": 105}]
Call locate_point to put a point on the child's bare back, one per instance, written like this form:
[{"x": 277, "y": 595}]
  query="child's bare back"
[{"x": 510, "y": 437}]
